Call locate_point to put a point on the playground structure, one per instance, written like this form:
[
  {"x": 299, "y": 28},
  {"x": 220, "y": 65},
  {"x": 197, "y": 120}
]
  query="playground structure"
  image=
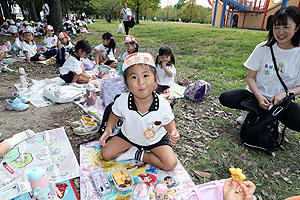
[{"x": 250, "y": 14}]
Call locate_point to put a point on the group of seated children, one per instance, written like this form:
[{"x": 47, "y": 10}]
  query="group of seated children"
[
  {"x": 54, "y": 46},
  {"x": 105, "y": 54}
]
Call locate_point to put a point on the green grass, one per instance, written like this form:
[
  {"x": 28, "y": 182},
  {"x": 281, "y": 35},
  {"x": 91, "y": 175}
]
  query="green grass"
[{"x": 217, "y": 56}]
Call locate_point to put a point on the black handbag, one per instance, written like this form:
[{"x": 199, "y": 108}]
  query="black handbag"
[{"x": 260, "y": 128}]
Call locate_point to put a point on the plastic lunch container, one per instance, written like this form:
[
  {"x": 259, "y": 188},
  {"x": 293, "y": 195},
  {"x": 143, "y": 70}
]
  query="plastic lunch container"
[
  {"x": 101, "y": 181},
  {"x": 122, "y": 188}
]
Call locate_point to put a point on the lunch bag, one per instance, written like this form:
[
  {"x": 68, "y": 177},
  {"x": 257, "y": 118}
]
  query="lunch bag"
[{"x": 196, "y": 91}]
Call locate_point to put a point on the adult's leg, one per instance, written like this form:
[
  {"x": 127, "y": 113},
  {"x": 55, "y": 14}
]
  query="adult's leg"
[
  {"x": 126, "y": 27},
  {"x": 233, "y": 98},
  {"x": 291, "y": 117}
]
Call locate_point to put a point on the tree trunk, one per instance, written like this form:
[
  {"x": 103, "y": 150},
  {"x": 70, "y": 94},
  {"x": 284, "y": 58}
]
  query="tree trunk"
[
  {"x": 137, "y": 13},
  {"x": 23, "y": 13},
  {"x": 56, "y": 15},
  {"x": 5, "y": 9},
  {"x": 32, "y": 11}
]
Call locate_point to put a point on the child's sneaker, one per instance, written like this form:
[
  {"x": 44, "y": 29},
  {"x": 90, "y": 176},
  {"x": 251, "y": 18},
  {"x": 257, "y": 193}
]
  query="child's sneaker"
[
  {"x": 86, "y": 129},
  {"x": 20, "y": 96},
  {"x": 15, "y": 104}
]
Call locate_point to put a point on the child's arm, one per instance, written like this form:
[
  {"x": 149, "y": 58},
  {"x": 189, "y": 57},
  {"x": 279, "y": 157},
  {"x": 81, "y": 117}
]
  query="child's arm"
[
  {"x": 27, "y": 57},
  {"x": 112, "y": 120},
  {"x": 167, "y": 71},
  {"x": 104, "y": 61},
  {"x": 58, "y": 45},
  {"x": 174, "y": 135}
]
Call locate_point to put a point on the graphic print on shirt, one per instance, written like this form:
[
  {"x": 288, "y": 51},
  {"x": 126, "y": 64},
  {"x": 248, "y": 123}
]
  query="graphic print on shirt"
[
  {"x": 270, "y": 67},
  {"x": 149, "y": 133}
]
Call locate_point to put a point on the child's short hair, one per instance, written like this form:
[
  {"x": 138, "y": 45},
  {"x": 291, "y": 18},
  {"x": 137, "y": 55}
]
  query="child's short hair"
[
  {"x": 164, "y": 50},
  {"x": 138, "y": 58},
  {"x": 84, "y": 45}
]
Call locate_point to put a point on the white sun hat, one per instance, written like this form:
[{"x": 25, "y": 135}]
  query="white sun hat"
[{"x": 138, "y": 58}]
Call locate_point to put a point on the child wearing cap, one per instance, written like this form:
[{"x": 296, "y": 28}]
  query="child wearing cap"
[
  {"x": 51, "y": 42},
  {"x": 64, "y": 47},
  {"x": 4, "y": 28},
  {"x": 73, "y": 70},
  {"x": 147, "y": 119},
  {"x": 12, "y": 29},
  {"x": 105, "y": 52},
  {"x": 29, "y": 47},
  {"x": 19, "y": 42},
  {"x": 131, "y": 46}
]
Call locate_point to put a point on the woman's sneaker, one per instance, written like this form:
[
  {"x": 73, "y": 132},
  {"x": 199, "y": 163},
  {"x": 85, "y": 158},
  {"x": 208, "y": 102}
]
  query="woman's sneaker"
[
  {"x": 20, "y": 96},
  {"x": 15, "y": 104}
]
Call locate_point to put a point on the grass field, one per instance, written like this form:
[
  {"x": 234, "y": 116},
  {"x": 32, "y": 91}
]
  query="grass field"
[{"x": 217, "y": 56}]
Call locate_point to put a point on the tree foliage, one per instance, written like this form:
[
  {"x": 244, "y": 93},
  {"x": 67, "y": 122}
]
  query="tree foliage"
[
  {"x": 180, "y": 4},
  {"x": 108, "y": 9}
]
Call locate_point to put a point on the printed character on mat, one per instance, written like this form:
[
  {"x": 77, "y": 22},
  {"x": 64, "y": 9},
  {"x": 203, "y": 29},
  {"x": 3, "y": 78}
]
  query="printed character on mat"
[
  {"x": 147, "y": 119},
  {"x": 73, "y": 70},
  {"x": 105, "y": 52},
  {"x": 166, "y": 71},
  {"x": 263, "y": 83}
]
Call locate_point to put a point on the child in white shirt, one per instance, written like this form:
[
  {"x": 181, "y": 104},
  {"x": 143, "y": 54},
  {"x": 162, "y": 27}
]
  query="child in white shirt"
[
  {"x": 105, "y": 52},
  {"x": 73, "y": 70},
  {"x": 165, "y": 66},
  {"x": 64, "y": 47},
  {"x": 29, "y": 47},
  {"x": 147, "y": 119},
  {"x": 51, "y": 42}
]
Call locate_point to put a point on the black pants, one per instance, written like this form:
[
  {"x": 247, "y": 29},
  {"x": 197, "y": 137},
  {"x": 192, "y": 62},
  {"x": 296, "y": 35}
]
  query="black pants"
[
  {"x": 233, "y": 99},
  {"x": 126, "y": 25}
]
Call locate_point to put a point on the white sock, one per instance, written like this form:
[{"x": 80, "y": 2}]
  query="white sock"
[
  {"x": 19, "y": 137},
  {"x": 129, "y": 154}
]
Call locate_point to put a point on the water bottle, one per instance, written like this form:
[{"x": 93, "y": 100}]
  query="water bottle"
[{"x": 23, "y": 83}]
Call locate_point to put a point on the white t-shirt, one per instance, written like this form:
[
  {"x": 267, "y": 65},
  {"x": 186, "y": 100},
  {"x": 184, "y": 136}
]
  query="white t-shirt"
[
  {"x": 72, "y": 64},
  {"x": 162, "y": 77},
  {"x": 12, "y": 29},
  {"x": 30, "y": 49},
  {"x": 288, "y": 63},
  {"x": 110, "y": 56},
  {"x": 143, "y": 129},
  {"x": 3, "y": 30},
  {"x": 50, "y": 41},
  {"x": 68, "y": 46},
  {"x": 18, "y": 43},
  {"x": 125, "y": 13},
  {"x": 46, "y": 9},
  {"x": 125, "y": 55}
]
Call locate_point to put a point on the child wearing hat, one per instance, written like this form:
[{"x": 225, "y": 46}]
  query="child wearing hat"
[
  {"x": 147, "y": 119},
  {"x": 64, "y": 47},
  {"x": 51, "y": 42},
  {"x": 131, "y": 46},
  {"x": 29, "y": 47},
  {"x": 4, "y": 28},
  {"x": 12, "y": 29}
]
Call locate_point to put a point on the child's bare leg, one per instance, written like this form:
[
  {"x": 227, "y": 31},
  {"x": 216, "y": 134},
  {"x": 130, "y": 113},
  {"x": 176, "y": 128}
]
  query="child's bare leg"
[
  {"x": 114, "y": 147},
  {"x": 83, "y": 78},
  {"x": 97, "y": 57},
  {"x": 1, "y": 54},
  {"x": 162, "y": 157},
  {"x": 41, "y": 57},
  {"x": 4, "y": 148},
  {"x": 113, "y": 65}
]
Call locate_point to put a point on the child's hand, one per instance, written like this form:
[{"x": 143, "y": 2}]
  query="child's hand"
[
  {"x": 229, "y": 190},
  {"x": 119, "y": 59},
  {"x": 93, "y": 77},
  {"x": 103, "y": 138},
  {"x": 174, "y": 137}
]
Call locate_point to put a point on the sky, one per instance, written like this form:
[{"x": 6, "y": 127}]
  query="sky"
[{"x": 164, "y": 3}]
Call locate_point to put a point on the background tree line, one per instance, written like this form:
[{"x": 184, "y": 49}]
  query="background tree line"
[{"x": 184, "y": 10}]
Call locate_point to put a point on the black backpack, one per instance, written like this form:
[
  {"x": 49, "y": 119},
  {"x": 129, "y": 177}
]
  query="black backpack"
[
  {"x": 260, "y": 128},
  {"x": 131, "y": 22},
  {"x": 260, "y": 131}
]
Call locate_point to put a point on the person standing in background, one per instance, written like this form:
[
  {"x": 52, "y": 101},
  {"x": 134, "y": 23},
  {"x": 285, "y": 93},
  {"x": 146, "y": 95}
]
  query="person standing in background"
[
  {"x": 126, "y": 17},
  {"x": 46, "y": 11}
]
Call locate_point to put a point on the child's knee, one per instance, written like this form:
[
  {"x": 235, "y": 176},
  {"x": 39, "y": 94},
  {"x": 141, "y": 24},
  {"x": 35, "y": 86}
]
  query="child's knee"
[
  {"x": 106, "y": 155},
  {"x": 170, "y": 165}
]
